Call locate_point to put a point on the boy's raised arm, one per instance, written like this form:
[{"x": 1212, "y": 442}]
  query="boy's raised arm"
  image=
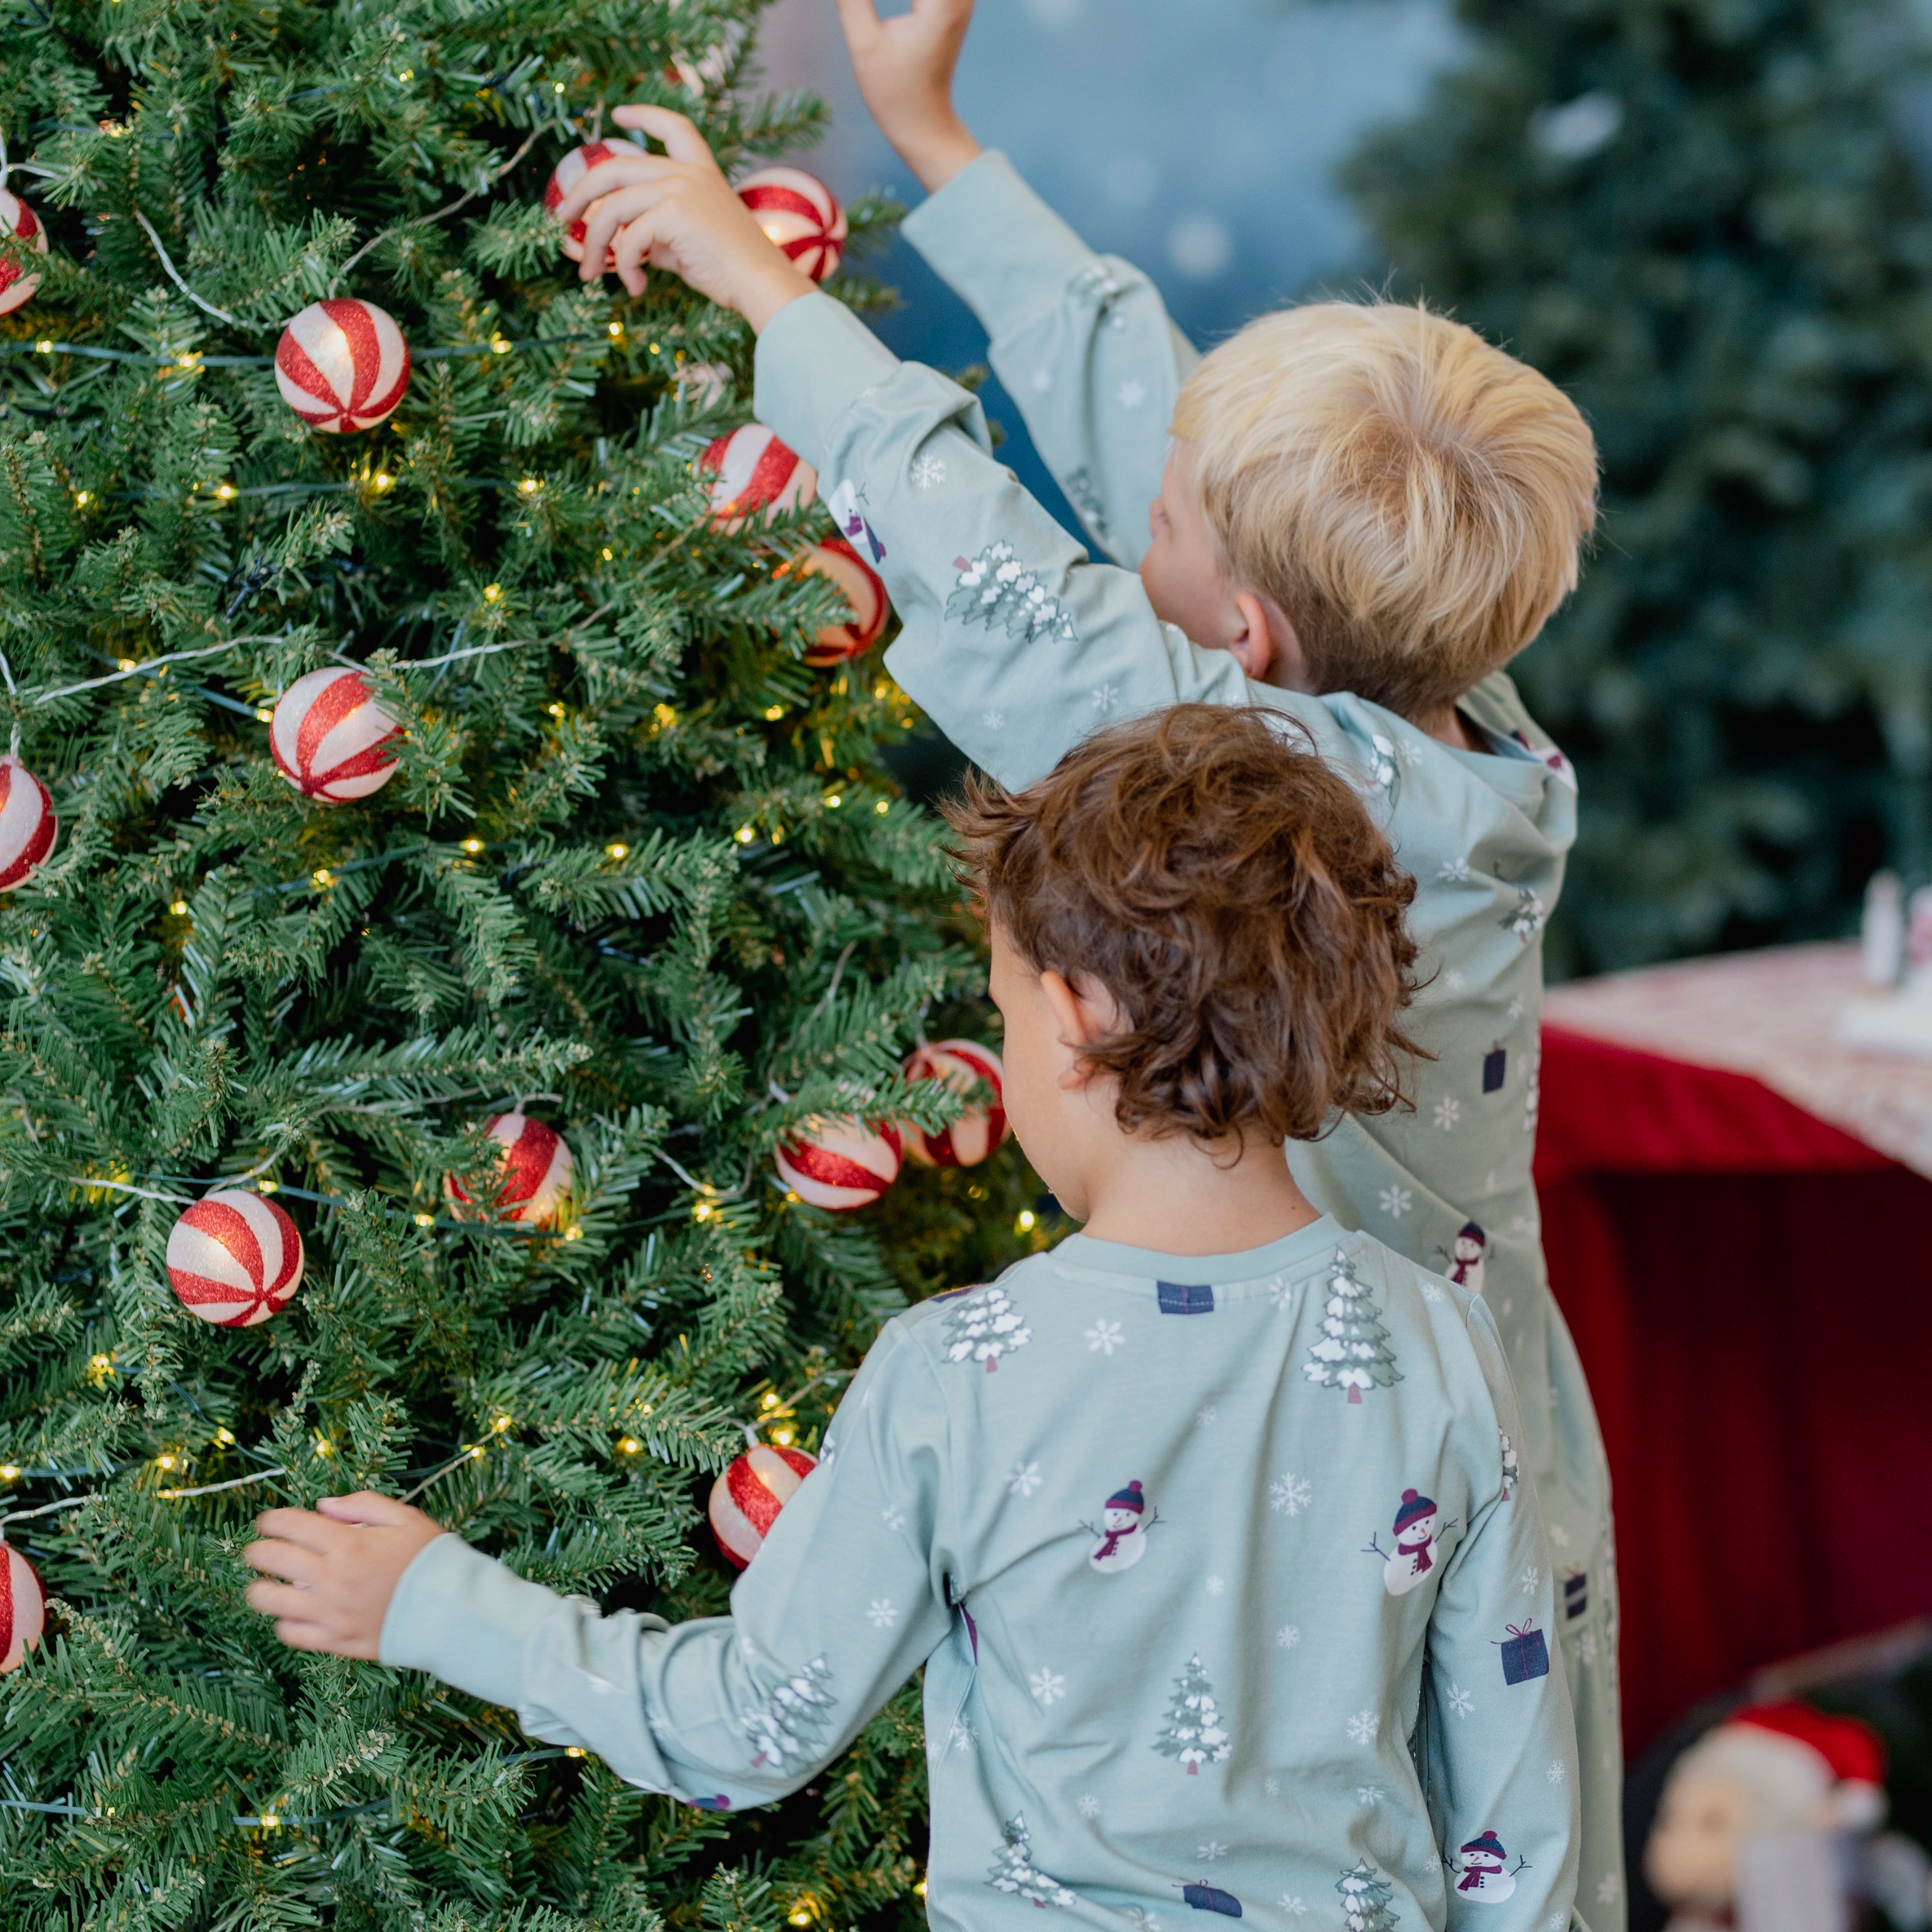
[{"x": 1083, "y": 342}]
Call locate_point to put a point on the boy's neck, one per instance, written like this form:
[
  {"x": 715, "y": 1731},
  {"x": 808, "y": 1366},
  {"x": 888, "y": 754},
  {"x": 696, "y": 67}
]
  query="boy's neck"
[
  {"x": 1176, "y": 1197},
  {"x": 1447, "y": 727}
]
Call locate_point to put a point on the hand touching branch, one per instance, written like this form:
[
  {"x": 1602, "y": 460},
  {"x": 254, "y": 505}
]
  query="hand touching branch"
[
  {"x": 904, "y": 70},
  {"x": 339, "y": 1566},
  {"x": 677, "y": 211}
]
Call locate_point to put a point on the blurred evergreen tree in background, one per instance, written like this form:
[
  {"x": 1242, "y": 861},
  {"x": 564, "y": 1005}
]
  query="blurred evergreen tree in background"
[{"x": 1703, "y": 219}]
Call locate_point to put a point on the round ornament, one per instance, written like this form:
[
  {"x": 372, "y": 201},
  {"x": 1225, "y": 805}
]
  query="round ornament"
[
  {"x": 342, "y": 364},
  {"x": 570, "y": 170},
  {"x": 865, "y": 591},
  {"x": 328, "y": 734},
  {"x": 20, "y": 221},
  {"x": 750, "y": 471},
  {"x": 23, "y": 1609},
  {"x": 27, "y": 823},
  {"x": 537, "y": 1170},
  {"x": 746, "y": 1499},
  {"x": 840, "y": 1164},
  {"x": 798, "y": 212},
  {"x": 234, "y": 1259},
  {"x": 961, "y": 1064}
]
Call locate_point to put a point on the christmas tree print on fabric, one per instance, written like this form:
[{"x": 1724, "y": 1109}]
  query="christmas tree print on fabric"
[
  {"x": 1365, "y": 1895},
  {"x": 985, "y": 1327},
  {"x": 1353, "y": 1352},
  {"x": 1014, "y": 1870},
  {"x": 793, "y": 1724},
  {"x": 1483, "y": 1878},
  {"x": 1195, "y": 1734},
  {"x": 996, "y": 588}
]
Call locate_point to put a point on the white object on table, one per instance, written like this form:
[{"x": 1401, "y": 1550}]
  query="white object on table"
[{"x": 1881, "y": 931}]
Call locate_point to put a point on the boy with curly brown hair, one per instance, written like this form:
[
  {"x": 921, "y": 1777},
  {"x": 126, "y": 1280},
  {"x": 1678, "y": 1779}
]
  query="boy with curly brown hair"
[{"x": 1126, "y": 1504}]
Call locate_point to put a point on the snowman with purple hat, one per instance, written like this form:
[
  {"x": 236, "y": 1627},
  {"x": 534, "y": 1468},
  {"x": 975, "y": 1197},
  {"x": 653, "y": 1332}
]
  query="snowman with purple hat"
[
  {"x": 1413, "y": 1558},
  {"x": 1123, "y": 1531},
  {"x": 1484, "y": 1880}
]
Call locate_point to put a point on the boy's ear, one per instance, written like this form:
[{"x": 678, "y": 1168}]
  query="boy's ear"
[
  {"x": 1083, "y": 1012},
  {"x": 1266, "y": 646}
]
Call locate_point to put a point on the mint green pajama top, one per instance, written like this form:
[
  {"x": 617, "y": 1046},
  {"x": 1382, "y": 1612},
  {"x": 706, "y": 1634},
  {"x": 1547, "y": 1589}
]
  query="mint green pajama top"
[
  {"x": 1229, "y": 1598},
  {"x": 1018, "y": 644}
]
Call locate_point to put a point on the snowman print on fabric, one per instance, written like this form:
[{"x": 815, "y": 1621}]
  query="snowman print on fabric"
[
  {"x": 1467, "y": 1259},
  {"x": 1413, "y": 1558},
  {"x": 1485, "y": 1876},
  {"x": 1123, "y": 1531}
]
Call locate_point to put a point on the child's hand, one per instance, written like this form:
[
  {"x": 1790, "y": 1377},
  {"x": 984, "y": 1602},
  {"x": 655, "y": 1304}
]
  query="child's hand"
[
  {"x": 904, "y": 70},
  {"x": 340, "y": 1569},
  {"x": 677, "y": 211}
]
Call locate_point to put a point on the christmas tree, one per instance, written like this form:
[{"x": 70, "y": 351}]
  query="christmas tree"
[
  {"x": 1014, "y": 1870},
  {"x": 633, "y": 875},
  {"x": 985, "y": 1327},
  {"x": 1703, "y": 223},
  {"x": 1365, "y": 1896},
  {"x": 1194, "y": 1733},
  {"x": 1353, "y": 1352}
]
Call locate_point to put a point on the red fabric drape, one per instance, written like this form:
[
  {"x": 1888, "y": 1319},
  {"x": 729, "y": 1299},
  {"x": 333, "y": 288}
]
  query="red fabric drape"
[{"x": 1747, "y": 1288}]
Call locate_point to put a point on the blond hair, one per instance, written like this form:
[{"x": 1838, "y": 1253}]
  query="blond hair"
[{"x": 1412, "y": 499}]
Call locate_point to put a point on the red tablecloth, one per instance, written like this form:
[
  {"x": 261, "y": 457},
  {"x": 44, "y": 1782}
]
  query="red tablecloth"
[{"x": 1748, "y": 1286}]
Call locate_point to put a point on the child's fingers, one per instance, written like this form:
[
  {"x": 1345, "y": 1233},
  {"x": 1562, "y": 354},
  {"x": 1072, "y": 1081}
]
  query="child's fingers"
[
  {"x": 606, "y": 217},
  {"x": 367, "y": 1506},
  {"x": 289, "y": 1560},
  {"x": 860, "y": 18},
  {"x": 632, "y": 249},
  {"x": 299, "y": 1527},
  {"x": 280, "y": 1599},
  {"x": 679, "y": 132},
  {"x": 620, "y": 171}
]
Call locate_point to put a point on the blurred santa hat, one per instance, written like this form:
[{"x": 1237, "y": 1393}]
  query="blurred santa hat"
[{"x": 1803, "y": 1767}]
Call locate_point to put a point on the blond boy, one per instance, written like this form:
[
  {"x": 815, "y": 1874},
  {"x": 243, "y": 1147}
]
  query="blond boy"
[{"x": 1361, "y": 513}]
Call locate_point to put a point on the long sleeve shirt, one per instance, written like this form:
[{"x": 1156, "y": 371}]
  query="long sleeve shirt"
[{"x": 1227, "y": 1596}]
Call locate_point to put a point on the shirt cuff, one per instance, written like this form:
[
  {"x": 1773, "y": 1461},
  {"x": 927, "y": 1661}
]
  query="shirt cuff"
[
  {"x": 995, "y": 243},
  {"x": 461, "y": 1615},
  {"x": 814, "y": 359}
]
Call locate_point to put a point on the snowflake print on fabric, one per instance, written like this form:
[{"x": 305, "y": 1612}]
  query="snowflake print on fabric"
[
  {"x": 1518, "y": 1007},
  {"x": 1559, "y": 1536},
  {"x": 892, "y": 1519},
  {"x": 1290, "y": 1494},
  {"x": 883, "y": 1613},
  {"x": 1454, "y": 980},
  {"x": 1460, "y": 1700},
  {"x": 929, "y": 472},
  {"x": 1132, "y": 394},
  {"x": 794, "y": 1723},
  {"x": 1106, "y": 696},
  {"x": 1365, "y": 1895},
  {"x": 1555, "y": 1771},
  {"x": 1527, "y": 921},
  {"x": 985, "y": 1327},
  {"x": 1013, "y": 1869},
  {"x": 1454, "y": 872},
  {"x": 964, "y": 1737},
  {"x": 1272, "y": 1786},
  {"x": 1395, "y": 1202},
  {"x": 1194, "y": 1734},
  {"x": 1282, "y": 1292},
  {"x": 1089, "y": 1805},
  {"x": 1354, "y": 1353},
  {"x": 1368, "y": 1795},
  {"x": 1291, "y": 1905},
  {"x": 1288, "y": 1636},
  {"x": 995, "y": 721},
  {"x": 1210, "y": 1851},
  {"x": 1207, "y": 1416},
  {"x": 1610, "y": 1888},
  {"x": 1586, "y": 1646},
  {"x": 1431, "y": 1292},
  {"x": 997, "y": 590},
  {"x": 1104, "y": 1337},
  {"x": 1448, "y": 1111},
  {"x": 1530, "y": 1578},
  {"x": 1085, "y": 498},
  {"x": 1363, "y": 1726},
  {"x": 1048, "y": 1687},
  {"x": 1215, "y": 1586}
]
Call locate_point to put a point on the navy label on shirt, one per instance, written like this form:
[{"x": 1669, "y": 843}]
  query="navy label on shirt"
[
  {"x": 1183, "y": 1298},
  {"x": 1576, "y": 1593}
]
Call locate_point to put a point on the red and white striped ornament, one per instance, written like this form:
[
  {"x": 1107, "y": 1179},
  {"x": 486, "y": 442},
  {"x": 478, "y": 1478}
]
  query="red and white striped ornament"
[
  {"x": 961, "y": 1064},
  {"x": 746, "y": 1499},
  {"x": 750, "y": 471},
  {"x": 798, "y": 212},
  {"x": 16, "y": 284},
  {"x": 864, "y": 589},
  {"x": 840, "y": 1164},
  {"x": 23, "y": 1609},
  {"x": 27, "y": 823},
  {"x": 328, "y": 734},
  {"x": 342, "y": 364},
  {"x": 538, "y": 1168},
  {"x": 570, "y": 170},
  {"x": 234, "y": 1259}
]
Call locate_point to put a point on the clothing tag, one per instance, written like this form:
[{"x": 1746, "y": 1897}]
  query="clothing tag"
[
  {"x": 843, "y": 503},
  {"x": 1182, "y": 1297}
]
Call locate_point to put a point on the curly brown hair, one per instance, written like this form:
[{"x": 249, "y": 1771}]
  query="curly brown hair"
[{"x": 1231, "y": 893}]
